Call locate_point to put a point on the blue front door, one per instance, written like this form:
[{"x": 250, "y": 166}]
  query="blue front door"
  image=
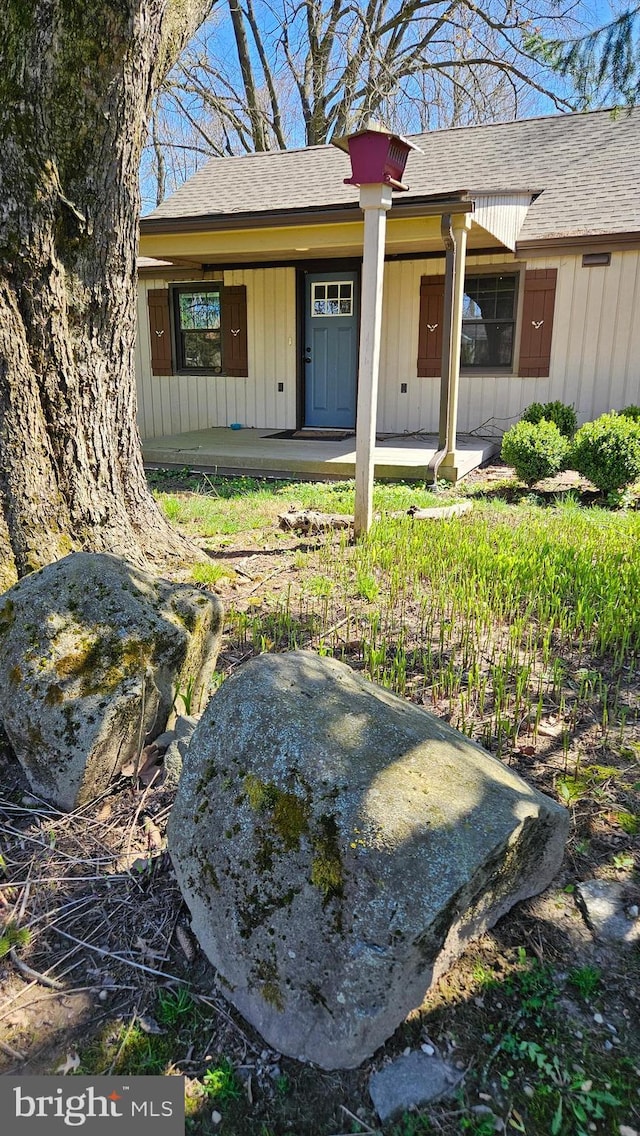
[{"x": 331, "y": 349}]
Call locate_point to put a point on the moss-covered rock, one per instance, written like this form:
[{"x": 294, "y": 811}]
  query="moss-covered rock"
[
  {"x": 338, "y": 846},
  {"x": 92, "y": 654}
]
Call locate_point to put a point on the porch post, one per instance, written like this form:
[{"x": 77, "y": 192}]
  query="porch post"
[
  {"x": 449, "y": 246},
  {"x": 460, "y": 225},
  {"x": 375, "y": 200}
]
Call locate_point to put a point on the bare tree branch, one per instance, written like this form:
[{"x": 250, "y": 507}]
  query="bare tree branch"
[{"x": 297, "y": 72}]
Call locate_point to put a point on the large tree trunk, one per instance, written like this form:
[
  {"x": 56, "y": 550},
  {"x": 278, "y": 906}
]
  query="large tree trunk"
[{"x": 76, "y": 81}]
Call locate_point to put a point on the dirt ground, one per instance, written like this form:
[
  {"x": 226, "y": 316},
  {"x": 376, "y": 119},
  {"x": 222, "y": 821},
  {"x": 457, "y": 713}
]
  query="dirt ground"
[{"x": 110, "y": 948}]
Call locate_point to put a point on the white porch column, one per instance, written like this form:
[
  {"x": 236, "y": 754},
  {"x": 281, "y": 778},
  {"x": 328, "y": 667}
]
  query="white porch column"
[
  {"x": 460, "y": 225},
  {"x": 375, "y": 200}
]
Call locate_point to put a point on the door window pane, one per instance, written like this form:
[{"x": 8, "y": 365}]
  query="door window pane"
[{"x": 332, "y": 298}]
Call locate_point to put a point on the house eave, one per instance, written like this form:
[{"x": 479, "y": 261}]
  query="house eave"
[
  {"x": 430, "y": 206},
  {"x": 577, "y": 243}
]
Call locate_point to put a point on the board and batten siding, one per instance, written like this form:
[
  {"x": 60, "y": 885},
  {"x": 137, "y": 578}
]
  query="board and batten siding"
[
  {"x": 173, "y": 404},
  {"x": 595, "y": 354},
  {"x": 595, "y": 349}
]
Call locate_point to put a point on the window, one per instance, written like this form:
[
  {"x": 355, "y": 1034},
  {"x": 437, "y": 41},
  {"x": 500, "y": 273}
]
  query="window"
[
  {"x": 332, "y": 298},
  {"x": 488, "y": 325},
  {"x": 198, "y": 328},
  {"x": 488, "y": 321}
]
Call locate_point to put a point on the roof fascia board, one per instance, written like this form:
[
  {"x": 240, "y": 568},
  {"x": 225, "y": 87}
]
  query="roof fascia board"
[
  {"x": 457, "y": 202},
  {"x": 580, "y": 243}
]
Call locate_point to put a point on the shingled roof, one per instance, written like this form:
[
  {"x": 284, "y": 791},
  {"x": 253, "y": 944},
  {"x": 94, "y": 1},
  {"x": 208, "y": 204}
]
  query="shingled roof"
[{"x": 585, "y": 169}]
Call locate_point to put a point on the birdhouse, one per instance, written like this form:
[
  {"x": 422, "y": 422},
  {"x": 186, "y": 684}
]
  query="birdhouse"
[{"x": 378, "y": 156}]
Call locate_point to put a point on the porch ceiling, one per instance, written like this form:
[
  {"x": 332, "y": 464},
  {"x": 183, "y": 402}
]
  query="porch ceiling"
[{"x": 302, "y": 242}]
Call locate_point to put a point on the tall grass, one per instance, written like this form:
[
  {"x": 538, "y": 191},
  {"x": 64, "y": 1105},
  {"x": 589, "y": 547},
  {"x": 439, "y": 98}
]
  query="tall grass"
[{"x": 496, "y": 619}]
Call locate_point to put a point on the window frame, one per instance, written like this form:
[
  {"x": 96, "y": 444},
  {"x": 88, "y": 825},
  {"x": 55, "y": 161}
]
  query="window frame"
[
  {"x": 326, "y": 299},
  {"x": 176, "y": 290},
  {"x": 515, "y": 271}
]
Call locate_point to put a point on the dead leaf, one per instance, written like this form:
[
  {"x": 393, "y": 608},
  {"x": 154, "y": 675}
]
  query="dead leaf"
[
  {"x": 69, "y": 1065},
  {"x": 527, "y": 751},
  {"x": 550, "y": 729},
  {"x": 149, "y": 955},
  {"x": 150, "y": 1025},
  {"x": 153, "y": 832}
]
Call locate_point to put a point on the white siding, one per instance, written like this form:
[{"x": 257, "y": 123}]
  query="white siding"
[
  {"x": 595, "y": 354},
  {"x": 595, "y": 350},
  {"x": 502, "y": 215},
  {"x": 177, "y": 403}
]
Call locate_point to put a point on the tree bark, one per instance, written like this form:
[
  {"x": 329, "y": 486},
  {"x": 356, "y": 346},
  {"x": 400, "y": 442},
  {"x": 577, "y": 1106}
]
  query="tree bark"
[{"x": 76, "y": 82}]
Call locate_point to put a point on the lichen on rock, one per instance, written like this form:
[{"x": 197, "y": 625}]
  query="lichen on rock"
[
  {"x": 92, "y": 654},
  {"x": 339, "y": 846}
]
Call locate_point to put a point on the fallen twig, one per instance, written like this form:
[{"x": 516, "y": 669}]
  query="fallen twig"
[
  {"x": 357, "y": 1120},
  {"x": 120, "y": 958},
  {"x": 34, "y": 975},
  {"x": 10, "y": 1052}
]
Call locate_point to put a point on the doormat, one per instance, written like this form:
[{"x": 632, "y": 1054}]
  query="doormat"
[{"x": 313, "y": 435}]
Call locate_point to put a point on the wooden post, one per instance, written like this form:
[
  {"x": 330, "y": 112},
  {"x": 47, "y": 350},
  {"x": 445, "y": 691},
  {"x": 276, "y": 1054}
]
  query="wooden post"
[
  {"x": 460, "y": 225},
  {"x": 449, "y": 246},
  {"x": 375, "y": 200}
]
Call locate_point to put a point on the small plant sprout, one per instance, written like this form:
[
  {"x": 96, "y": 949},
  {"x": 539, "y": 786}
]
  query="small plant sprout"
[
  {"x": 186, "y": 696},
  {"x": 175, "y": 1006},
  {"x": 585, "y": 979},
  {"x": 12, "y": 936},
  {"x": 221, "y": 1083}
]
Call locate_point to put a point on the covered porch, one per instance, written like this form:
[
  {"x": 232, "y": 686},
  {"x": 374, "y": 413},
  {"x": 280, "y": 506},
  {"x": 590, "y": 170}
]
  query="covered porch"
[{"x": 259, "y": 453}]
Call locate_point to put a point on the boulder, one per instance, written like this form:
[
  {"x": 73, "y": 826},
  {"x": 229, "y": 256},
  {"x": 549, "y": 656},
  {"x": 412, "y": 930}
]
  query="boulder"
[
  {"x": 92, "y": 654},
  {"x": 338, "y": 847}
]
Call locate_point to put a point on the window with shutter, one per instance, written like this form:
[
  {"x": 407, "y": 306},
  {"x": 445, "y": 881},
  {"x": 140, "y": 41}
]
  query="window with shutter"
[
  {"x": 489, "y": 323},
  {"x": 209, "y": 324}
]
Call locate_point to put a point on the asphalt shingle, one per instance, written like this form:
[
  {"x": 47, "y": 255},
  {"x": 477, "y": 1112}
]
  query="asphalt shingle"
[{"x": 585, "y": 168}]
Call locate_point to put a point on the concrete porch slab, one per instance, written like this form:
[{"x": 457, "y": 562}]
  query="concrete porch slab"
[{"x": 252, "y": 452}]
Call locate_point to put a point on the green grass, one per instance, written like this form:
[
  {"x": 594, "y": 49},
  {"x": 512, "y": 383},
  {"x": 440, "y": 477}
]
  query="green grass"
[
  {"x": 500, "y": 614},
  {"x": 219, "y": 505},
  {"x": 211, "y": 573}
]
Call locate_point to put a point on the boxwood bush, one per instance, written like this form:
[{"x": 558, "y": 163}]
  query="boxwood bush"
[
  {"x": 632, "y": 412},
  {"x": 563, "y": 415},
  {"x": 607, "y": 451},
  {"x": 534, "y": 449}
]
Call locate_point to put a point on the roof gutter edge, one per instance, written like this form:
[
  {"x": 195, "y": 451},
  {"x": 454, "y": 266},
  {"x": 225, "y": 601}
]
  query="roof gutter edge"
[
  {"x": 577, "y": 242},
  {"x": 458, "y": 202}
]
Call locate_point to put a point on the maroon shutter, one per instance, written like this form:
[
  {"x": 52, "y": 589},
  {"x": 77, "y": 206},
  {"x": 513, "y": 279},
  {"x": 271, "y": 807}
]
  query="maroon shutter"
[
  {"x": 160, "y": 328},
  {"x": 430, "y": 331},
  {"x": 234, "y": 330},
  {"x": 537, "y": 322}
]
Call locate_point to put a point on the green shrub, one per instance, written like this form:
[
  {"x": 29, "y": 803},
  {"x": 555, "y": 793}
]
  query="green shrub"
[
  {"x": 534, "y": 449},
  {"x": 607, "y": 451},
  {"x": 563, "y": 415},
  {"x": 631, "y": 412}
]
